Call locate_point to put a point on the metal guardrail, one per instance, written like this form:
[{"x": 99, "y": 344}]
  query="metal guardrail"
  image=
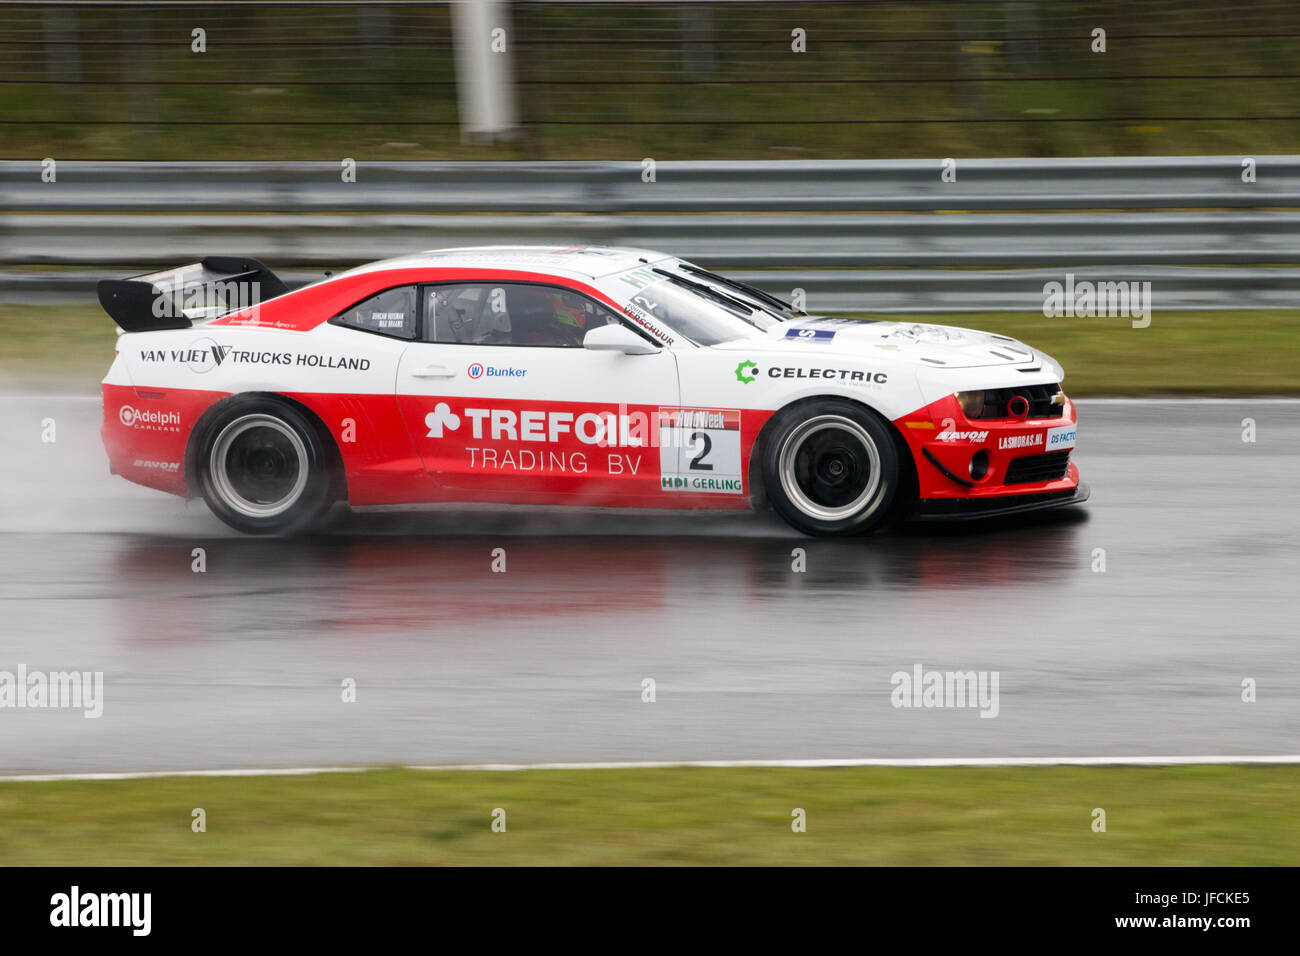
[{"x": 872, "y": 235}]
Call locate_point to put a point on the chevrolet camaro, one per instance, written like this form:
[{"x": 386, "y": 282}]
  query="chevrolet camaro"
[{"x": 566, "y": 376}]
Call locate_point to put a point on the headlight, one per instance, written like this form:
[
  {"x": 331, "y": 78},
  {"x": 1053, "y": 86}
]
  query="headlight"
[{"x": 972, "y": 403}]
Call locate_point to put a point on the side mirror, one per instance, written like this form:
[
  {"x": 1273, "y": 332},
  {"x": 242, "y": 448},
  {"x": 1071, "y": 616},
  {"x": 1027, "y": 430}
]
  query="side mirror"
[{"x": 617, "y": 338}]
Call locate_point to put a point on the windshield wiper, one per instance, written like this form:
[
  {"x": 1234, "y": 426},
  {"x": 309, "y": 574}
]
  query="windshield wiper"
[
  {"x": 710, "y": 293},
  {"x": 745, "y": 287}
]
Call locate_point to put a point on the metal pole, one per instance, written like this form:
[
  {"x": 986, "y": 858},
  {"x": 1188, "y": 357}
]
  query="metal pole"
[{"x": 484, "y": 70}]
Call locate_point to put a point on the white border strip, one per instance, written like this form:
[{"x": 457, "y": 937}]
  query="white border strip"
[
  {"x": 48, "y": 397},
  {"x": 1154, "y": 761}
]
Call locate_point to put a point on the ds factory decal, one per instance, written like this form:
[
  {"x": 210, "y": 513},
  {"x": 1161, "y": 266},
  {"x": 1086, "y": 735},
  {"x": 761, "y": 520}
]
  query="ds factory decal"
[{"x": 1061, "y": 437}]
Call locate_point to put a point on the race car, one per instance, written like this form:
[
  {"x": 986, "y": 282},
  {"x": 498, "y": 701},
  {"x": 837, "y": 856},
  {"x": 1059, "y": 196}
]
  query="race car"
[{"x": 592, "y": 376}]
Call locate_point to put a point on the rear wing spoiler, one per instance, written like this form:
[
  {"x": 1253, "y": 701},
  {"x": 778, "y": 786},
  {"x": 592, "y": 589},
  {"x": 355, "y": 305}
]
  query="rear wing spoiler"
[{"x": 173, "y": 299}]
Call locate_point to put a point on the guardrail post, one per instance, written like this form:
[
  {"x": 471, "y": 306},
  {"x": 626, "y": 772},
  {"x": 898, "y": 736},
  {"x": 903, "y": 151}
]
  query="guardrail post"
[{"x": 484, "y": 70}]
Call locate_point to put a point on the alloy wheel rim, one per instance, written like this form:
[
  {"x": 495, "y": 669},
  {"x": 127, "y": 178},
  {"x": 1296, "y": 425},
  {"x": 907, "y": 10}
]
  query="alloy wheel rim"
[
  {"x": 830, "y": 468},
  {"x": 259, "y": 466}
]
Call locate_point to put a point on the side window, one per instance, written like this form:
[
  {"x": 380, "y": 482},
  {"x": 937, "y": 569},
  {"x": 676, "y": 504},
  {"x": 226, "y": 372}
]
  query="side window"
[
  {"x": 390, "y": 313},
  {"x": 511, "y": 314}
]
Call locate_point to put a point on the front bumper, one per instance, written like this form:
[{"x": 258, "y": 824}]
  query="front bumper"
[
  {"x": 969, "y": 509},
  {"x": 986, "y": 467}
]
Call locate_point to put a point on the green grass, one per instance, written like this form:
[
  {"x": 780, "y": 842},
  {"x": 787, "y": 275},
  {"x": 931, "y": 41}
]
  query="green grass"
[
  {"x": 68, "y": 345},
  {"x": 1188, "y": 353},
  {"x": 1184, "y": 816},
  {"x": 670, "y": 82},
  {"x": 1193, "y": 353}
]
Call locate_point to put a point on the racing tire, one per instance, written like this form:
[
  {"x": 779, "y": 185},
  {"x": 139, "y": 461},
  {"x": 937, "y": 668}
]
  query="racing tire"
[
  {"x": 831, "y": 468},
  {"x": 263, "y": 467}
]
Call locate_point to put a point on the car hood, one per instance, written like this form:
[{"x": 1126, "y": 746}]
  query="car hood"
[{"x": 937, "y": 346}]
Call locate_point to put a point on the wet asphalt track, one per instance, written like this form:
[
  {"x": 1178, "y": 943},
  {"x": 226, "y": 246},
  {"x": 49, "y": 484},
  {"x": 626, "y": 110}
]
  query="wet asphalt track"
[{"x": 241, "y": 666}]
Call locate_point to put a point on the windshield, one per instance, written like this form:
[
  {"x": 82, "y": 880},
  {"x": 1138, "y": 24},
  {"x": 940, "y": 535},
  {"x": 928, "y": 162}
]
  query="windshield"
[{"x": 699, "y": 313}]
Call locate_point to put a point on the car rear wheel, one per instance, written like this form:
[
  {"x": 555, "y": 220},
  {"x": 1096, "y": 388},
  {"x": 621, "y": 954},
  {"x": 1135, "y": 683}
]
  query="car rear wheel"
[
  {"x": 831, "y": 468},
  {"x": 262, "y": 467}
]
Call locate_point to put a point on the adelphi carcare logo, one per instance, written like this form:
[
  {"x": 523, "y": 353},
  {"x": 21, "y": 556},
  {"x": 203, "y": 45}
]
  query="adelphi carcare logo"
[
  {"x": 746, "y": 372},
  {"x": 148, "y": 419}
]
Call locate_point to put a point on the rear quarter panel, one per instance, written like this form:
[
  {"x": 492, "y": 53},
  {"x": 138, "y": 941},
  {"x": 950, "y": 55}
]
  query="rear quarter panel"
[{"x": 162, "y": 383}]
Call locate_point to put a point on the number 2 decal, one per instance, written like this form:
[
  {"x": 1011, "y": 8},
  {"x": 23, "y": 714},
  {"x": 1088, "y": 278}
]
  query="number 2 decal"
[
  {"x": 697, "y": 463},
  {"x": 699, "y": 451}
]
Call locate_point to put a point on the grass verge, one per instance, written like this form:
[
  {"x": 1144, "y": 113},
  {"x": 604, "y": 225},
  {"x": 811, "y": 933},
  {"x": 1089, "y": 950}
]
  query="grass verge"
[
  {"x": 1187, "y": 353},
  {"x": 1156, "y": 816},
  {"x": 1180, "y": 353}
]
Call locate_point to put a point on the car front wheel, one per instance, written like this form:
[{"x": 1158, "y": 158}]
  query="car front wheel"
[{"x": 831, "y": 468}]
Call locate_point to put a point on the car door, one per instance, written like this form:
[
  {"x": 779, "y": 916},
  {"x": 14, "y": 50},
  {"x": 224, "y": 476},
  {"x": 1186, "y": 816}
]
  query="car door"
[{"x": 504, "y": 403}]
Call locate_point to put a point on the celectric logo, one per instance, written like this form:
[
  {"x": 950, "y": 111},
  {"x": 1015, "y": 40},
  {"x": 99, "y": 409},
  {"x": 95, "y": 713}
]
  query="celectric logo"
[
  {"x": 149, "y": 419},
  {"x": 746, "y": 372}
]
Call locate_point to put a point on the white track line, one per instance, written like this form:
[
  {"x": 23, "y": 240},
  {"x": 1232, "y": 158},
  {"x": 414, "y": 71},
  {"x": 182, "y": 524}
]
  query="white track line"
[
  {"x": 49, "y": 397},
  {"x": 1154, "y": 761},
  {"x": 152, "y": 774}
]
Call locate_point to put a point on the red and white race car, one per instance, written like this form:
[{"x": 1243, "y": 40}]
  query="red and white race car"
[{"x": 572, "y": 376}]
